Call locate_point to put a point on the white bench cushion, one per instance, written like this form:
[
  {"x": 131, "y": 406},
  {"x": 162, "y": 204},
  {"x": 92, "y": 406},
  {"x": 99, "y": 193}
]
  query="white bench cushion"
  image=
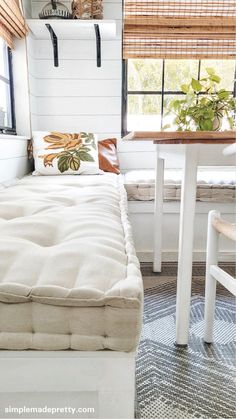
[{"x": 69, "y": 276}]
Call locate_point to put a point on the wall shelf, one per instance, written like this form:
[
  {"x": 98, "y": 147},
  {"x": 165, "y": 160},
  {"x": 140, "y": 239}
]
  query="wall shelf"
[{"x": 70, "y": 29}]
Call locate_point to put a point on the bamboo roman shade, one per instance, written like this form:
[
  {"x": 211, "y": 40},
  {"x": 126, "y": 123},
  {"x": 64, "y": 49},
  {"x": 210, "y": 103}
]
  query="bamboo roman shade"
[
  {"x": 194, "y": 29},
  {"x": 12, "y": 22}
]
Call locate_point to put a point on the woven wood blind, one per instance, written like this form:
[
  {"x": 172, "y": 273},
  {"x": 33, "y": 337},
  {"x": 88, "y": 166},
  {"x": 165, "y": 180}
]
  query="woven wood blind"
[
  {"x": 12, "y": 22},
  {"x": 194, "y": 29}
]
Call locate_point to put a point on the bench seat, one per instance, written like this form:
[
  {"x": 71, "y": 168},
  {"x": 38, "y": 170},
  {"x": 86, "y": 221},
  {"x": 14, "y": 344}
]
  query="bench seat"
[{"x": 214, "y": 184}]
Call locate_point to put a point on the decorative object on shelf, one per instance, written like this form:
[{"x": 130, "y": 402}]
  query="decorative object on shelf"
[
  {"x": 55, "y": 10},
  {"x": 87, "y": 9},
  {"x": 205, "y": 106}
]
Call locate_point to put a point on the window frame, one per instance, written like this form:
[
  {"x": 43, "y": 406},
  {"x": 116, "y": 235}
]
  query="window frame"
[
  {"x": 5, "y": 129},
  {"x": 162, "y": 93}
]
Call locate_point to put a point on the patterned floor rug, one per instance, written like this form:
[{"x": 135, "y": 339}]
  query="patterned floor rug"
[{"x": 196, "y": 382}]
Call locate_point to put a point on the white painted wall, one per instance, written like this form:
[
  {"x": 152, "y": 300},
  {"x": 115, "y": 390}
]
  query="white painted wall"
[
  {"x": 142, "y": 219},
  {"x": 13, "y": 158}
]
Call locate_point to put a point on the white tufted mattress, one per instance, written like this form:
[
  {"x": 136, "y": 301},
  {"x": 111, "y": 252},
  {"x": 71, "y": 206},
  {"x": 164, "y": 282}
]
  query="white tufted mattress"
[
  {"x": 214, "y": 184},
  {"x": 69, "y": 276}
]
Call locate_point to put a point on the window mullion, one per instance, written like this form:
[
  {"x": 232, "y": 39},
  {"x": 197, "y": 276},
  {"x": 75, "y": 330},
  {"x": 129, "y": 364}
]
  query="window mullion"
[
  {"x": 234, "y": 89},
  {"x": 162, "y": 92},
  {"x": 13, "y": 116},
  {"x": 8, "y": 123},
  {"x": 155, "y": 92},
  {"x": 199, "y": 69}
]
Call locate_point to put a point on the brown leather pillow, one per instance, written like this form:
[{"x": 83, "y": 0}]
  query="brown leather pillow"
[{"x": 107, "y": 156}]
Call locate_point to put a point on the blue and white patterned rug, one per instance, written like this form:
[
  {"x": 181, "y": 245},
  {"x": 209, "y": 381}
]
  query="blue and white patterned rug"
[{"x": 196, "y": 382}]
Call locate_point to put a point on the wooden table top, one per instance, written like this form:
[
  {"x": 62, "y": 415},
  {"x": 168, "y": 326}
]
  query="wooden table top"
[{"x": 183, "y": 137}]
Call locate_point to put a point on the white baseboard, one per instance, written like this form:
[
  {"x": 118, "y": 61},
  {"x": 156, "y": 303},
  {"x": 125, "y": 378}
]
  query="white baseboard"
[{"x": 198, "y": 256}]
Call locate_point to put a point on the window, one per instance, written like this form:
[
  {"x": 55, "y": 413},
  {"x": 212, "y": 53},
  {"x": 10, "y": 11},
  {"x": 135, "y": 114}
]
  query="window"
[
  {"x": 150, "y": 84},
  {"x": 7, "y": 117}
]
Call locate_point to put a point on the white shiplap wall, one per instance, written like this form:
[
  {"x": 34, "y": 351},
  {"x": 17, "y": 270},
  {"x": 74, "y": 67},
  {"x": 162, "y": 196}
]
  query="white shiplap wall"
[{"x": 78, "y": 95}]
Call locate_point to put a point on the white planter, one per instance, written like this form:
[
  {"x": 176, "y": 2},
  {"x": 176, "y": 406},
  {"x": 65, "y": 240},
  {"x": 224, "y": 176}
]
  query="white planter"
[{"x": 217, "y": 123}]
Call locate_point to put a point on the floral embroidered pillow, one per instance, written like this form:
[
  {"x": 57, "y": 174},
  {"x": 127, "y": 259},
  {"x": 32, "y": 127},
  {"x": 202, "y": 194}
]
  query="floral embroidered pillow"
[{"x": 58, "y": 153}]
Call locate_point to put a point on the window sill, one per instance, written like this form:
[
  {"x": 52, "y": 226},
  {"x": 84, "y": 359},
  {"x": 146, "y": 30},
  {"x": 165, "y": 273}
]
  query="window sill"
[{"x": 13, "y": 137}]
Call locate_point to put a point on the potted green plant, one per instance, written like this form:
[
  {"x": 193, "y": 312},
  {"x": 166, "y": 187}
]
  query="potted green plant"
[{"x": 204, "y": 106}]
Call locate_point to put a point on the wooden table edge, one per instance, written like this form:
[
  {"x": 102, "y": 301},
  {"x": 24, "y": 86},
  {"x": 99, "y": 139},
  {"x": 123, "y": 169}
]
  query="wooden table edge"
[{"x": 183, "y": 137}]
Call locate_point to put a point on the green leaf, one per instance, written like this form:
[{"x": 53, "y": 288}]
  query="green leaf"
[
  {"x": 63, "y": 163},
  {"x": 204, "y": 101},
  {"x": 211, "y": 113},
  {"x": 85, "y": 156},
  {"x": 231, "y": 122},
  {"x": 86, "y": 149},
  {"x": 223, "y": 94},
  {"x": 166, "y": 126},
  {"x": 65, "y": 153},
  {"x": 185, "y": 88},
  {"x": 210, "y": 71},
  {"x": 208, "y": 114},
  {"x": 196, "y": 85},
  {"x": 175, "y": 104},
  {"x": 84, "y": 135},
  {"x": 215, "y": 78},
  {"x": 206, "y": 125},
  {"x": 88, "y": 137},
  {"x": 91, "y": 136},
  {"x": 74, "y": 163}
]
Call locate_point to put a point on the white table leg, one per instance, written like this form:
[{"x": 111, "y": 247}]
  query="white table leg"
[
  {"x": 210, "y": 281},
  {"x": 158, "y": 210},
  {"x": 186, "y": 232}
]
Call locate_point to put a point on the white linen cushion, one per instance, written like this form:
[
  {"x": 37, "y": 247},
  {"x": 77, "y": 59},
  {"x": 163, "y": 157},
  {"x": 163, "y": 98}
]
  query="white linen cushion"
[
  {"x": 69, "y": 275},
  {"x": 58, "y": 153}
]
